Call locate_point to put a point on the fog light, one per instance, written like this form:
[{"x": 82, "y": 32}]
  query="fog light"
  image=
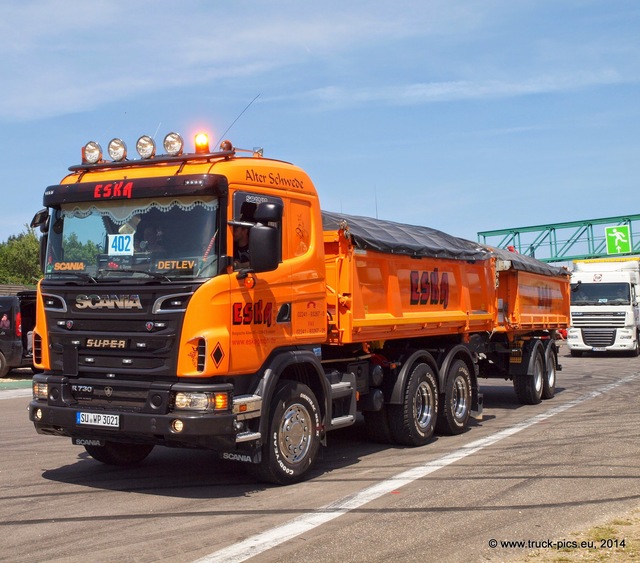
[
  {"x": 146, "y": 146},
  {"x": 91, "y": 153},
  {"x": 40, "y": 390},
  {"x": 37, "y": 414},
  {"x": 117, "y": 149},
  {"x": 173, "y": 144},
  {"x": 177, "y": 425}
]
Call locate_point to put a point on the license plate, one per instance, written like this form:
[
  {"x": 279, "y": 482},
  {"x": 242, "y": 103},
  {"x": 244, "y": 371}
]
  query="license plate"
[
  {"x": 598, "y": 349},
  {"x": 98, "y": 419}
]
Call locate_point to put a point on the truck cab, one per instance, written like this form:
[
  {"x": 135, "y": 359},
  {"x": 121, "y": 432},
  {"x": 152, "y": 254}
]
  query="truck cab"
[
  {"x": 17, "y": 320},
  {"x": 604, "y": 307}
]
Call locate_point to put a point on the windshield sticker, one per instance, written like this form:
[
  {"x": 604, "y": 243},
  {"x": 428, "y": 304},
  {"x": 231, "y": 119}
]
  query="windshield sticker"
[
  {"x": 120, "y": 245},
  {"x": 176, "y": 264},
  {"x": 67, "y": 266}
]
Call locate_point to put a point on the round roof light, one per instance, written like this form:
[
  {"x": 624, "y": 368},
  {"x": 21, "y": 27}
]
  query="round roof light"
[
  {"x": 117, "y": 149},
  {"x": 91, "y": 152},
  {"x": 173, "y": 144},
  {"x": 146, "y": 147}
]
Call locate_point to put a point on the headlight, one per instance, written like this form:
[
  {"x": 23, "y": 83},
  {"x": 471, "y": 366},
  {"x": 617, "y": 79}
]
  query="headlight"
[
  {"x": 201, "y": 401},
  {"x": 40, "y": 391}
]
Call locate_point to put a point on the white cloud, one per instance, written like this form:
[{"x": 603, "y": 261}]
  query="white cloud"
[
  {"x": 63, "y": 57},
  {"x": 424, "y": 93}
]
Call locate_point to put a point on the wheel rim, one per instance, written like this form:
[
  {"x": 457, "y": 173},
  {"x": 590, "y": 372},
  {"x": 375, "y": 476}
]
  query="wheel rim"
[
  {"x": 551, "y": 376},
  {"x": 538, "y": 374},
  {"x": 460, "y": 397},
  {"x": 423, "y": 405},
  {"x": 294, "y": 434}
]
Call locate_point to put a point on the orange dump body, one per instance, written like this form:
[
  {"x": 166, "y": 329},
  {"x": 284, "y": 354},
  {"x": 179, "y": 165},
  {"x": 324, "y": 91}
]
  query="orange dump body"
[
  {"x": 530, "y": 301},
  {"x": 375, "y": 295}
]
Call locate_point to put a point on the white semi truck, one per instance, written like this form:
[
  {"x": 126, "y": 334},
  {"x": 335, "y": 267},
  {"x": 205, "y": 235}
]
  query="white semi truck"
[{"x": 604, "y": 306}]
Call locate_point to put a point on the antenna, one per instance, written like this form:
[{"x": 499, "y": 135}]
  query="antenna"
[
  {"x": 375, "y": 192},
  {"x": 236, "y": 119}
]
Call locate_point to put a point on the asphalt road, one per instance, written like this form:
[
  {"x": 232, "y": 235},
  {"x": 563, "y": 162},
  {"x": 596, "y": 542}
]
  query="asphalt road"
[{"x": 526, "y": 474}]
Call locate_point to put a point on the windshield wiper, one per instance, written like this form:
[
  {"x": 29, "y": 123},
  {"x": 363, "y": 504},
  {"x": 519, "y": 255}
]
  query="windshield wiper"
[
  {"x": 80, "y": 275},
  {"x": 133, "y": 271}
]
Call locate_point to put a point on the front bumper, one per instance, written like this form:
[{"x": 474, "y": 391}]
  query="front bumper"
[
  {"x": 151, "y": 423},
  {"x": 614, "y": 339}
]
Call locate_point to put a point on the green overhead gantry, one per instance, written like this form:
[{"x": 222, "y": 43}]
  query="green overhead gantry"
[{"x": 576, "y": 240}]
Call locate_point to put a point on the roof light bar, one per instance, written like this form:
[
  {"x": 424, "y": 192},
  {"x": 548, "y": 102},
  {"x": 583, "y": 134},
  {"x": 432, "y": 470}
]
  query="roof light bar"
[{"x": 146, "y": 147}]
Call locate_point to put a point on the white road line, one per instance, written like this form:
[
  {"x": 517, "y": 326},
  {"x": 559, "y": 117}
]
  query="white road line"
[
  {"x": 268, "y": 539},
  {"x": 15, "y": 393}
]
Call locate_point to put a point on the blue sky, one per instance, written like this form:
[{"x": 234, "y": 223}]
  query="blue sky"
[{"x": 464, "y": 116}]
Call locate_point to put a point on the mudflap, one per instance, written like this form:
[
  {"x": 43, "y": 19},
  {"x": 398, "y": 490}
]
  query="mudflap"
[{"x": 477, "y": 406}]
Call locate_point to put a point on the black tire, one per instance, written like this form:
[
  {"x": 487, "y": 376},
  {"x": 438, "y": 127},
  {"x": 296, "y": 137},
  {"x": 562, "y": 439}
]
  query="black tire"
[
  {"x": 528, "y": 387},
  {"x": 550, "y": 374},
  {"x": 293, "y": 440},
  {"x": 116, "y": 453},
  {"x": 453, "y": 417},
  {"x": 377, "y": 425},
  {"x": 413, "y": 422},
  {"x": 4, "y": 367},
  {"x": 576, "y": 353}
]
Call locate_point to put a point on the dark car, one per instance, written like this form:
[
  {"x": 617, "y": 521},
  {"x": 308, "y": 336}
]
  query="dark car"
[{"x": 17, "y": 320}]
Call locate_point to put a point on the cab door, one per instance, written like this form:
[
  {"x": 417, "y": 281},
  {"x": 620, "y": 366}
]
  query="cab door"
[{"x": 260, "y": 301}]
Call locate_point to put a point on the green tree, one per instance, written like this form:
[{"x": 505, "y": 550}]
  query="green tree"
[
  {"x": 19, "y": 259},
  {"x": 76, "y": 251}
]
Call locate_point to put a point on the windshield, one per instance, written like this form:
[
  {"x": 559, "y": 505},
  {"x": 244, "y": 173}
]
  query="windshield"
[
  {"x": 163, "y": 238},
  {"x": 600, "y": 294}
]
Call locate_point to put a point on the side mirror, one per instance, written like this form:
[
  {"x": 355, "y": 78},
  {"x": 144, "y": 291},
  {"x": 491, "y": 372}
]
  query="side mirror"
[
  {"x": 263, "y": 248},
  {"x": 40, "y": 219},
  {"x": 268, "y": 212}
]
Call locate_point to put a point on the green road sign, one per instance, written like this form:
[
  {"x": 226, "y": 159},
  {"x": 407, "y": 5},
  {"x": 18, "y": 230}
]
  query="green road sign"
[{"x": 618, "y": 239}]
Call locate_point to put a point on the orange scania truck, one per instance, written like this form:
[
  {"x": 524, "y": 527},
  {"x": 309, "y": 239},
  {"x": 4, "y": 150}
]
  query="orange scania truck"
[{"x": 149, "y": 332}]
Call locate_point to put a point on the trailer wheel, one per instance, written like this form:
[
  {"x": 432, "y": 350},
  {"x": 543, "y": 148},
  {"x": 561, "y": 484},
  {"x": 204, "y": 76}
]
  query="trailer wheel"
[
  {"x": 116, "y": 453},
  {"x": 293, "y": 441},
  {"x": 550, "y": 373},
  {"x": 454, "y": 415},
  {"x": 377, "y": 425},
  {"x": 4, "y": 368},
  {"x": 413, "y": 422},
  {"x": 528, "y": 387}
]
